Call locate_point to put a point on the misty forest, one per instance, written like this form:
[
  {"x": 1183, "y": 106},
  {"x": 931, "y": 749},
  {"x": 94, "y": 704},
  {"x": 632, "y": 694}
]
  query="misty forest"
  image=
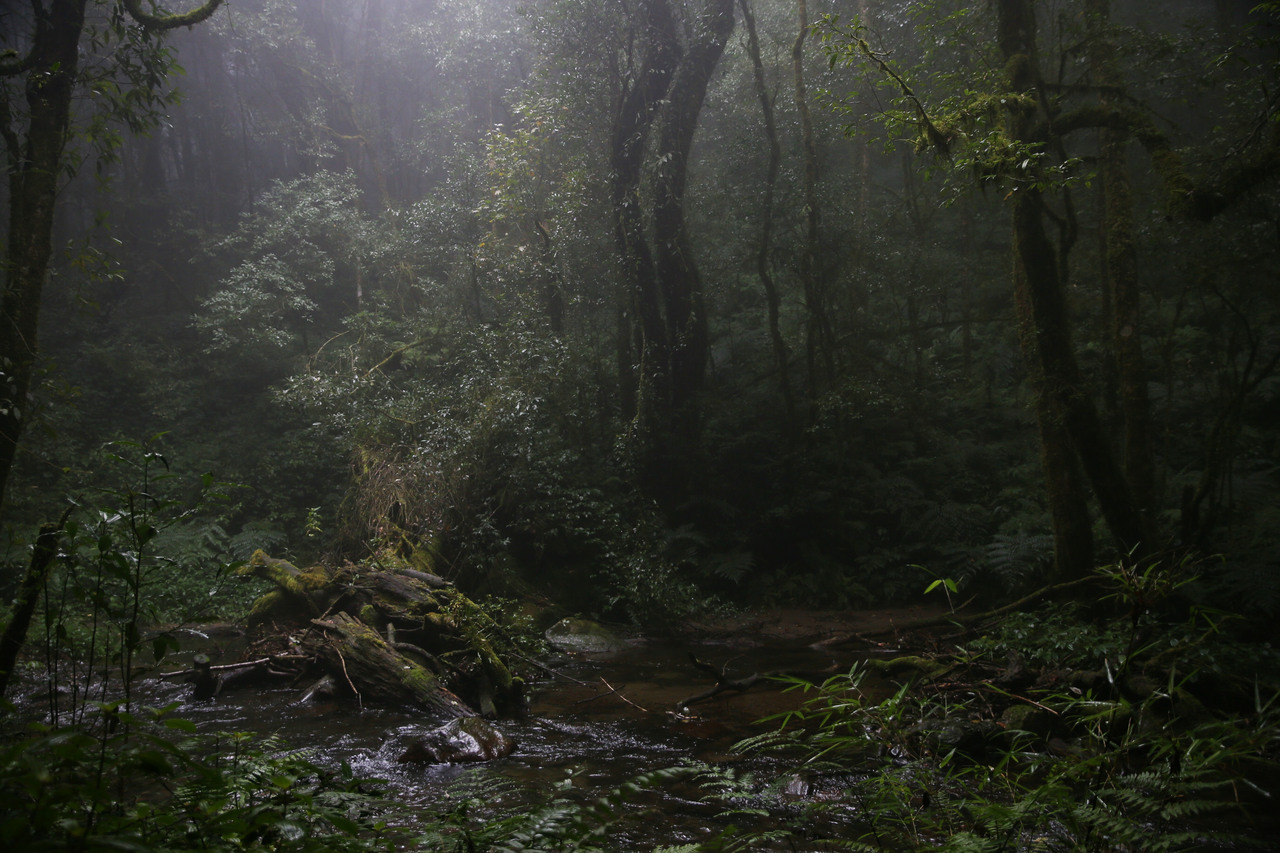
[{"x": 640, "y": 425}]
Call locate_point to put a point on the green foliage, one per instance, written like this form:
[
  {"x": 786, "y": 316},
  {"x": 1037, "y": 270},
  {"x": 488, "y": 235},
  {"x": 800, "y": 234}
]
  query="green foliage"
[
  {"x": 891, "y": 783},
  {"x": 300, "y": 261},
  {"x": 144, "y": 556},
  {"x": 155, "y": 785},
  {"x": 497, "y": 815}
]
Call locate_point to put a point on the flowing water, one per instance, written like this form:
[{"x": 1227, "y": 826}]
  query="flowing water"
[{"x": 597, "y": 722}]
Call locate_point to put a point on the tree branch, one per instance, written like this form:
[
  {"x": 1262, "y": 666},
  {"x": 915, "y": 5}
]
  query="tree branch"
[{"x": 169, "y": 20}]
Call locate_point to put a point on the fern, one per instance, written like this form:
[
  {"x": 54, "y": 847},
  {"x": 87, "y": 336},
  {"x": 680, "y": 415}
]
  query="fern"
[{"x": 254, "y": 536}]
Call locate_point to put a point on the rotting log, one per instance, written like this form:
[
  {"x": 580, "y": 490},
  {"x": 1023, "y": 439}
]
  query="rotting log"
[
  {"x": 379, "y": 674},
  {"x": 428, "y": 624}
]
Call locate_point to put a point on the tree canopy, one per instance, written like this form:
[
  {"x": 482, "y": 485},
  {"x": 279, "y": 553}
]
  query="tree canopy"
[{"x": 654, "y": 303}]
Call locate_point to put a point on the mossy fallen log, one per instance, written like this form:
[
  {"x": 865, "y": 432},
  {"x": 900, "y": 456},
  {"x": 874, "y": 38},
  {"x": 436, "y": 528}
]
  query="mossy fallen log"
[
  {"x": 379, "y": 674},
  {"x": 421, "y": 626}
]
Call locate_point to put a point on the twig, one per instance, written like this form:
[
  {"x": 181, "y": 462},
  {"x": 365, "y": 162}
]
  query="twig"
[
  {"x": 347, "y": 676},
  {"x": 226, "y": 667},
  {"x": 614, "y": 691},
  {"x": 547, "y": 669}
]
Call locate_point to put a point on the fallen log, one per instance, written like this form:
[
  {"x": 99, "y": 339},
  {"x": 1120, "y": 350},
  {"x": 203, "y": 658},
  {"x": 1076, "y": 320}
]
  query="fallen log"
[
  {"x": 379, "y": 674},
  {"x": 429, "y": 627}
]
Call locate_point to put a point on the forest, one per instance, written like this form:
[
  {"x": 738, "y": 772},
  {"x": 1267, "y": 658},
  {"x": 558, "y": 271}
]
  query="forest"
[{"x": 661, "y": 314}]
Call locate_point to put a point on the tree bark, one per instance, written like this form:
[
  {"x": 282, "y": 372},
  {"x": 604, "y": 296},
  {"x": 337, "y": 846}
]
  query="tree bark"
[
  {"x": 678, "y": 277},
  {"x": 359, "y": 657},
  {"x": 15, "y": 633},
  {"x": 668, "y": 86},
  {"x": 1065, "y": 490},
  {"x": 641, "y": 337},
  {"x": 34, "y": 170}
]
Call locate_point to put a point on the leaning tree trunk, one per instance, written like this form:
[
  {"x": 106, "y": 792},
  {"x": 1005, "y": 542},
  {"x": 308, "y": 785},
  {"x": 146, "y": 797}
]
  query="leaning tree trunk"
[{"x": 24, "y": 606}]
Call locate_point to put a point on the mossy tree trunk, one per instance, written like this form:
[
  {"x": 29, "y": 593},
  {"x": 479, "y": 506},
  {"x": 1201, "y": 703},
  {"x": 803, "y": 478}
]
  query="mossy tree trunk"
[{"x": 358, "y": 656}]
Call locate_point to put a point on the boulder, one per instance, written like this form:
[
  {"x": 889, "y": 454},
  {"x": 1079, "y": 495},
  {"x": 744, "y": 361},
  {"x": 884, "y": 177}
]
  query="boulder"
[{"x": 462, "y": 740}]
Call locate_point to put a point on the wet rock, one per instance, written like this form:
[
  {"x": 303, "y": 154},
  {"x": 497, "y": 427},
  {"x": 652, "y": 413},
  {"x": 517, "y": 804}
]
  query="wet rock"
[
  {"x": 206, "y": 682},
  {"x": 583, "y": 635},
  {"x": 965, "y": 737},
  {"x": 324, "y": 688},
  {"x": 462, "y": 740},
  {"x": 1019, "y": 720}
]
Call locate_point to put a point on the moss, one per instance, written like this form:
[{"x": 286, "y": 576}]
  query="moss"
[
  {"x": 418, "y": 678},
  {"x": 908, "y": 666},
  {"x": 265, "y": 606}
]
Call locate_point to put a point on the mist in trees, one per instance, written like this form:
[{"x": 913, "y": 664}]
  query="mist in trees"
[{"x": 646, "y": 304}]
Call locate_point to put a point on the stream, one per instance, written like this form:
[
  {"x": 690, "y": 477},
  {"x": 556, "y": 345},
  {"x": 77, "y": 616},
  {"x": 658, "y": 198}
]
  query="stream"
[{"x": 600, "y": 721}]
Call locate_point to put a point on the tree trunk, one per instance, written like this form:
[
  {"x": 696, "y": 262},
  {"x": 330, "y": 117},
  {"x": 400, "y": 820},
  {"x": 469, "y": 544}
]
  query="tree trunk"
[
  {"x": 1064, "y": 488},
  {"x": 35, "y": 165},
  {"x": 383, "y": 623},
  {"x": 24, "y": 606},
  {"x": 669, "y": 81},
  {"x": 1121, "y": 271},
  {"x": 763, "y": 255},
  {"x": 34, "y": 170},
  {"x": 631, "y": 127},
  {"x": 359, "y": 657},
  {"x": 1046, "y": 339},
  {"x": 818, "y": 341},
  {"x": 683, "y": 304}
]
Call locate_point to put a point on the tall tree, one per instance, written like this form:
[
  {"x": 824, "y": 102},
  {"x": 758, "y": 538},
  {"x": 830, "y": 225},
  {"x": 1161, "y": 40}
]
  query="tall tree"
[
  {"x": 773, "y": 297},
  {"x": 1046, "y": 332},
  {"x": 818, "y": 339},
  {"x": 1018, "y": 136},
  {"x": 41, "y": 146},
  {"x": 666, "y": 88}
]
